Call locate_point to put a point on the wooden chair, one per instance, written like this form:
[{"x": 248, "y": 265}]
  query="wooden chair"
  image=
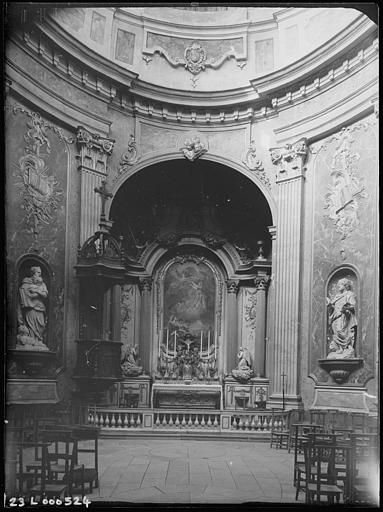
[
  {"x": 301, "y": 467},
  {"x": 301, "y": 431},
  {"x": 89, "y": 474},
  {"x": 280, "y": 428},
  {"x": 319, "y": 417},
  {"x": 320, "y": 473},
  {"x": 359, "y": 422},
  {"x": 364, "y": 468}
]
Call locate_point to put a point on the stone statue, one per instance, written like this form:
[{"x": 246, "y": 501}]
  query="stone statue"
[
  {"x": 342, "y": 320},
  {"x": 243, "y": 371},
  {"x": 32, "y": 317},
  {"x": 130, "y": 362},
  {"x": 193, "y": 148}
]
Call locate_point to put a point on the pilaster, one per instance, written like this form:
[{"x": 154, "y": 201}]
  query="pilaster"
[
  {"x": 145, "y": 286},
  {"x": 261, "y": 284},
  {"x": 232, "y": 324},
  {"x": 290, "y": 166},
  {"x": 93, "y": 153}
]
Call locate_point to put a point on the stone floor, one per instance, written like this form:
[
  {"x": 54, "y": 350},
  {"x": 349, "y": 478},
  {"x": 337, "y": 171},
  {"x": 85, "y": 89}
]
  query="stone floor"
[{"x": 193, "y": 471}]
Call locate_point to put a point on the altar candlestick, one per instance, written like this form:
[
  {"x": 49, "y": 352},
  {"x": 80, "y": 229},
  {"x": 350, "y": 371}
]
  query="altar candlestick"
[
  {"x": 167, "y": 342},
  {"x": 201, "y": 342},
  {"x": 215, "y": 347},
  {"x": 208, "y": 342},
  {"x": 160, "y": 342},
  {"x": 175, "y": 342}
]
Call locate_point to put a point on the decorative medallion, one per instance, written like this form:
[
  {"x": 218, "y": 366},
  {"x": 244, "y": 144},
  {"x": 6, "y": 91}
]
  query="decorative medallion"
[
  {"x": 345, "y": 191},
  {"x": 195, "y": 56},
  {"x": 40, "y": 190}
]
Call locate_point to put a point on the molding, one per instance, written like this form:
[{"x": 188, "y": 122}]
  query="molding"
[{"x": 56, "y": 106}]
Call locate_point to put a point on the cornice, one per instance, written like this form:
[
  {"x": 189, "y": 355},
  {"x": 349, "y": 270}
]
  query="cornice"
[{"x": 311, "y": 64}]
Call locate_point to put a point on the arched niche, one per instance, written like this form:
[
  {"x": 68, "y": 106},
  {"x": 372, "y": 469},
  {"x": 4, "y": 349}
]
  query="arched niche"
[
  {"x": 342, "y": 313},
  {"x": 23, "y": 275}
]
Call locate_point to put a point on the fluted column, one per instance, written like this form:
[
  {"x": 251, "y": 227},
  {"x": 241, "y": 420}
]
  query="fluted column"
[
  {"x": 261, "y": 283},
  {"x": 145, "y": 321},
  {"x": 93, "y": 153},
  {"x": 289, "y": 162},
  {"x": 232, "y": 325}
]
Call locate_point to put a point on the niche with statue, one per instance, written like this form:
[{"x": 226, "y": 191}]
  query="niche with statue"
[{"x": 342, "y": 323}]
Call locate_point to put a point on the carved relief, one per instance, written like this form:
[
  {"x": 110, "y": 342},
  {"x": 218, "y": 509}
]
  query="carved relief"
[
  {"x": 130, "y": 362},
  {"x": 129, "y": 158},
  {"x": 243, "y": 371},
  {"x": 342, "y": 322},
  {"x": 41, "y": 192},
  {"x": 253, "y": 163},
  {"x": 193, "y": 147},
  {"x": 343, "y": 194},
  {"x": 251, "y": 309},
  {"x": 290, "y": 159},
  {"x": 195, "y": 56},
  {"x": 127, "y": 310},
  {"x": 232, "y": 286}
]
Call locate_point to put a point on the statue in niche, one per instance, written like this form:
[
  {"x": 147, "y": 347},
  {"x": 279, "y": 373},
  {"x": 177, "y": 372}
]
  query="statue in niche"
[
  {"x": 342, "y": 321},
  {"x": 243, "y": 371},
  {"x": 32, "y": 312},
  {"x": 130, "y": 362}
]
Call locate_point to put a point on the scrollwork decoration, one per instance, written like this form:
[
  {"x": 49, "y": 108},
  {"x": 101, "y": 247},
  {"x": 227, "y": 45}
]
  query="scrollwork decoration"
[
  {"x": 253, "y": 163},
  {"x": 129, "y": 158}
]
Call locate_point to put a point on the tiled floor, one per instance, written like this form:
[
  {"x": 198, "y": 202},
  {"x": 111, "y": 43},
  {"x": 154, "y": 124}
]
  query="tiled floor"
[{"x": 193, "y": 471}]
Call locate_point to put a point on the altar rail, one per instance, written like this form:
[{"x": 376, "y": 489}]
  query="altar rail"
[{"x": 170, "y": 420}]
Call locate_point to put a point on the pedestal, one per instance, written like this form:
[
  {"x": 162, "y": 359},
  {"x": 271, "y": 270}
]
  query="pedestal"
[
  {"x": 134, "y": 392},
  {"x": 343, "y": 398},
  {"x": 180, "y": 395}
]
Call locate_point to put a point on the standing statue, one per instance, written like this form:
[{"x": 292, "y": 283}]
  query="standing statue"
[
  {"x": 243, "y": 371},
  {"x": 342, "y": 320},
  {"x": 130, "y": 362},
  {"x": 32, "y": 317}
]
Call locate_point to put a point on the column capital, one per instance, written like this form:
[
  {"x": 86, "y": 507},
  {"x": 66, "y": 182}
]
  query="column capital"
[
  {"x": 232, "y": 286},
  {"x": 262, "y": 281},
  {"x": 93, "y": 149},
  {"x": 145, "y": 284},
  {"x": 290, "y": 160}
]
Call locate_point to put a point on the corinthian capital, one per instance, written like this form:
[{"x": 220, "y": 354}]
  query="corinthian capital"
[
  {"x": 290, "y": 159},
  {"x": 93, "y": 149},
  {"x": 145, "y": 284},
  {"x": 232, "y": 286},
  {"x": 262, "y": 282}
]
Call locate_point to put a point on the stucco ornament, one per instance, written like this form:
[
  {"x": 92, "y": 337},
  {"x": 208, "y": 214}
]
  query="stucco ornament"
[
  {"x": 342, "y": 320},
  {"x": 253, "y": 163},
  {"x": 128, "y": 158},
  {"x": 341, "y": 200},
  {"x": 193, "y": 148},
  {"x": 195, "y": 56},
  {"x": 130, "y": 362},
  {"x": 41, "y": 193}
]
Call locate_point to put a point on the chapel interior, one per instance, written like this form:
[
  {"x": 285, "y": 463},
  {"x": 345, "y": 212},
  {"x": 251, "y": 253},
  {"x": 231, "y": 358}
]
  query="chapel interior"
[{"x": 192, "y": 244}]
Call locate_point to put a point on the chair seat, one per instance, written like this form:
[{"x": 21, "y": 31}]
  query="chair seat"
[
  {"x": 325, "y": 488},
  {"x": 86, "y": 475},
  {"x": 52, "y": 489},
  {"x": 36, "y": 464},
  {"x": 60, "y": 468}
]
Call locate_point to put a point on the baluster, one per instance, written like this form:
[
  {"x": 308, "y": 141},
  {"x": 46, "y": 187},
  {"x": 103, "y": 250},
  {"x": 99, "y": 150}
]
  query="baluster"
[
  {"x": 196, "y": 422},
  {"x": 97, "y": 419},
  {"x": 138, "y": 422},
  {"x": 247, "y": 423},
  {"x": 190, "y": 423},
  {"x": 113, "y": 422},
  {"x": 215, "y": 424},
  {"x": 164, "y": 422},
  {"x": 257, "y": 425},
  {"x": 158, "y": 423},
  {"x": 183, "y": 423},
  {"x": 90, "y": 418},
  {"x": 252, "y": 424},
  {"x": 126, "y": 422},
  {"x": 177, "y": 422},
  {"x": 264, "y": 423},
  {"x": 171, "y": 423},
  {"x": 101, "y": 421},
  {"x": 131, "y": 419},
  {"x": 209, "y": 423},
  {"x": 119, "y": 422},
  {"x": 240, "y": 423},
  {"x": 203, "y": 421}
]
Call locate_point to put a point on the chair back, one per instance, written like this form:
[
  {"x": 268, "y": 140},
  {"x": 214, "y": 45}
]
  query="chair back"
[
  {"x": 280, "y": 420},
  {"x": 359, "y": 422}
]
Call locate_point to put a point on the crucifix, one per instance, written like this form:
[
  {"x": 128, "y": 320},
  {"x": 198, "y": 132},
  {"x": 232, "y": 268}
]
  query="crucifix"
[
  {"x": 105, "y": 195},
  {"x": 283, "y": 375}
]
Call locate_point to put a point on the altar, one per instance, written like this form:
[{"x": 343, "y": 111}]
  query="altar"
[{"x": 179, "y": 395}]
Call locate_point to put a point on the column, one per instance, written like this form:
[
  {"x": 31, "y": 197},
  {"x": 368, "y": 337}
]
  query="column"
[
  {"x": 93, "y": 153},
  {"x": 232, "y": 325},
  {"x": 261, "y": 283},
  {"x": 146, "y": 322},
  {"x": 289, "y": 162},
  {"x": 116, "y": 312}
]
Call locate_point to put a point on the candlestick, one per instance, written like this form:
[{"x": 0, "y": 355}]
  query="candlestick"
[
  {"x": 208, "y": 342},
  {"x": 175, "y": 342},
  {"x": 160, "y": 342},
  {"x": 215, "y": 347},
  {"x": 201, "y": 343}
]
